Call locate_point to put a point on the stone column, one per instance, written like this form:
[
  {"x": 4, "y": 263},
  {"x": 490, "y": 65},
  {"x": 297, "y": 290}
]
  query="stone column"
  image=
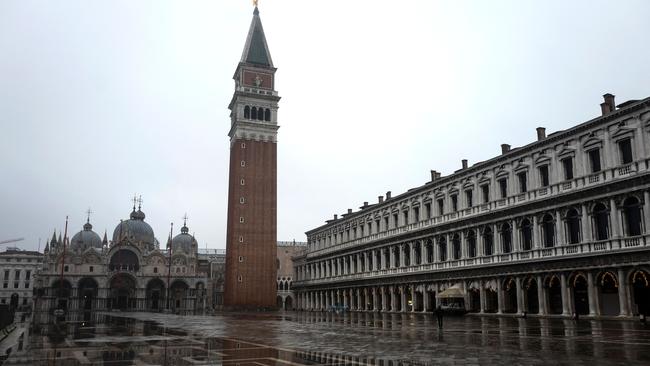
[
  {"x": 622, "y": 293},
  {"x": 561, "y": 238},
  {"x": 414, "y": 299},
  {"x": 480, "y": 252},
  {"x": 646, "y": 211},
  {"x": 402, "y": 254},
  {"x": 425, "y": 298},
  {"x": 365, "y": 299},
  {"x": 616, "y": 229},
  {"x": 436, "y": 255},
  {"x": 520, "y": 296},
  {"x": 482, "y": 298},
  {"x": 516, "y": 246},
  {"x": 403, "y": 298},
  {"x": 585, "y": 225},
  {"x": 375, "y": 299},
  {"x": 497, "y": 247},
  {"x": 391, "y": 253},
  {"x": 541, "y": 296},
  {"x": 384, "y": 302},
  {"x": 591, "y": 291},
  {"x": 463, "y": 246},
  {"x": 359, "y": 302},
  {"x": 382, "y": 257},
  {"x": 536, "y": 243},
  {"x": 393, "y": 298},
  {"x": 450, "y": 248},
  {"x": 345, "y": 298},
  {"x": 499, "y": 297},
  {"x": 566, "y": 310}
]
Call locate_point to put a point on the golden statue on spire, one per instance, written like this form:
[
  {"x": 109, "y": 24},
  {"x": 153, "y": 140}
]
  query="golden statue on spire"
[{"x": 255, "y": 3}]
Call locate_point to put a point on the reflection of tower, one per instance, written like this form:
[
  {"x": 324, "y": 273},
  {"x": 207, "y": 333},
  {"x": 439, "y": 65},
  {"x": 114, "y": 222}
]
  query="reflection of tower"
[{"x": 252, "y": 196}]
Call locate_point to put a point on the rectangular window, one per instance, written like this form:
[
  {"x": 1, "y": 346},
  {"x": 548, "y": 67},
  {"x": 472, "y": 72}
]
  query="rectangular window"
[
  {"x": 468, "y": 198},
  {"x": 26, "y": 284},
  {"x": 6, "y": 274},
  {"x": 503, "y": 187},
  {"x": 361, "y": 228},
  {"x": 395, "y": 220},
  {"x": 91, "y": 269},
  {"x": 594, "y": 160},
  {"x": 406, "y": 217},
  {"x": 416, "y": 214},
  {"x": 441, "y": 206},
  {"x": 427, "y": 207},
  {"x": 377, "y": 228},
  {"x": 28, "y": 275},
  {"x": 523, "y": 186},
  {"x": 543, "y": 176},
  {"x": 386, "y": 222},
  {"x": 65, "y": 269},
  {"x": 625, "y": 148},
  {"x": 17, "y": 275},
  {"x": 5, "y": 285},
  {"x": 454, "y": 203},
  {"x": 15, "y": 284},
  {"x": 568, "y": 168},
  {"x": 486, "y": 193}
]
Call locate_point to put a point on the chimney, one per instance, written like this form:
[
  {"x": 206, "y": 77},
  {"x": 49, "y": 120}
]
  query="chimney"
[
  {"x": 541, "y": 133},
  {"x": 349, "y": 211},
  {"x": 505, "y": 148},
  {"x": 464, "y": 163},
  {"x": 381, "y": 199},
  {"x": 609, "y": 102},
  {"x": 336, "y": 217},
  {"x": 387, "y": 195},
  {"x": 433, "y": 175},
  {"x": 365, "y": 204}
]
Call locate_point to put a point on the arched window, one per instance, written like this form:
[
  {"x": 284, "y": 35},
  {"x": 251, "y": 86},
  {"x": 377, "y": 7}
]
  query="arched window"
[
  {"x": 254, "y": 113},
  {"x": 471, "y": 244},
  {"x": 506, "y": 238},
  {"x": 418, "y": 254},
  {"x": 407, "y": 255},
  {"x": 601, "y": 221},
  {"x": 260, "y": 114},
  {"x": 247, "y": 112},
  {"x": 526, "y": 234},
  {"x": 488, "y": 241},
  {"x": 548, "y": 229},
  {"x": 456, "y": 246},
  {"x": 396, "y": 252},
  {"x": 442, "y": 248},
  {"x": 632, "y": 216},
  {"x": 267, "y": 114},
  {"x": 573, "y": 226}
]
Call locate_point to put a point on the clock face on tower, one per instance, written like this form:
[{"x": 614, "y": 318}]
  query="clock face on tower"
[{"x": 257, "y": 79}]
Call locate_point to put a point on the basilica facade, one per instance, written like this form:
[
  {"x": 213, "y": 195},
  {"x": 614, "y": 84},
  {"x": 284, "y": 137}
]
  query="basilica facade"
[
  {"x": 131, "y": 272},
  {"x": 558, "y": 227}
]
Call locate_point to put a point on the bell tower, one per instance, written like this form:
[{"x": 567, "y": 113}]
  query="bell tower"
[{"x": 251, "y": 236}]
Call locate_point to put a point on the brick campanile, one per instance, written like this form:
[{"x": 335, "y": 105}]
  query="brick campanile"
[{"x": 251, "y": 236}]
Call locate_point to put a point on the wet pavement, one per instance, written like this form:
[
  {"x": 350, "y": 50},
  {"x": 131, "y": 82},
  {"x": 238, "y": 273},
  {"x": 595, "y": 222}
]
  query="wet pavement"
[{"x": 331, "y": 339}]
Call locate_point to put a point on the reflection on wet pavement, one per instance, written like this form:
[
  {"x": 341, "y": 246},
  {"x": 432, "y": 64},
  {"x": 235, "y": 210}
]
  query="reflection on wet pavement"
[{"x": 330, "y": 339}]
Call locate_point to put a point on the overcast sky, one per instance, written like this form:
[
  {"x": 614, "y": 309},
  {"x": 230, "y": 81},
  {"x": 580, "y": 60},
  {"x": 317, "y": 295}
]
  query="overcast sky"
[{"x": 100, "y": 100}]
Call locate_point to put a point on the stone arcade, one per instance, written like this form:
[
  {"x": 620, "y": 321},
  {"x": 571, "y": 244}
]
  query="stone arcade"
[{"x": 560, "y": 226}]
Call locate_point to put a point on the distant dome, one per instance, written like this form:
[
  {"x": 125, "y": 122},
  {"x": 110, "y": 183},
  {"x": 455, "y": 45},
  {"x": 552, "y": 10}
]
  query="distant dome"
[
  {"x": 85, "y": 239},
  {"x": 135, "y": 230},
  {"x": 184, "y": 241}
]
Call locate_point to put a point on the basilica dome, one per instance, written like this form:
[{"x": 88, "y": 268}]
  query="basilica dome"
[
  {"x": 85, "y": 239},
  {"x": 135, "y": 230},
  {"x": 184, "y": 241}
]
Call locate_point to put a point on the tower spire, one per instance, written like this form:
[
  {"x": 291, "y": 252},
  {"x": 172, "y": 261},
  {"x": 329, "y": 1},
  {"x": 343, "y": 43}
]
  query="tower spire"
[{"x": 256, "y": 50}]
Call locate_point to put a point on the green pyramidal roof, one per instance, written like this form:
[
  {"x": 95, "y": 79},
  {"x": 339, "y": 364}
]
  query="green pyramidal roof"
[{"x": 256, "y": 50}]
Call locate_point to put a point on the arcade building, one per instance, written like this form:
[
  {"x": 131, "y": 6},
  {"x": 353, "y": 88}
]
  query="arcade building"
[{"x": 558, "y": 227}]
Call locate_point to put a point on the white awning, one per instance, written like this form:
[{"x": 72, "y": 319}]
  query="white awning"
[{"x": 452, "y": 292}]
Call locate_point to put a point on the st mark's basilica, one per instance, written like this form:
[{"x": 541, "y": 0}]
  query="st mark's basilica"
[{"x": 131, "y": 272}]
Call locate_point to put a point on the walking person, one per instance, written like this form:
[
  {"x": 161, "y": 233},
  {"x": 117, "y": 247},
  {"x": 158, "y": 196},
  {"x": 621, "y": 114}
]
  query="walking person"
[{"x": 438, "y": 314}]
